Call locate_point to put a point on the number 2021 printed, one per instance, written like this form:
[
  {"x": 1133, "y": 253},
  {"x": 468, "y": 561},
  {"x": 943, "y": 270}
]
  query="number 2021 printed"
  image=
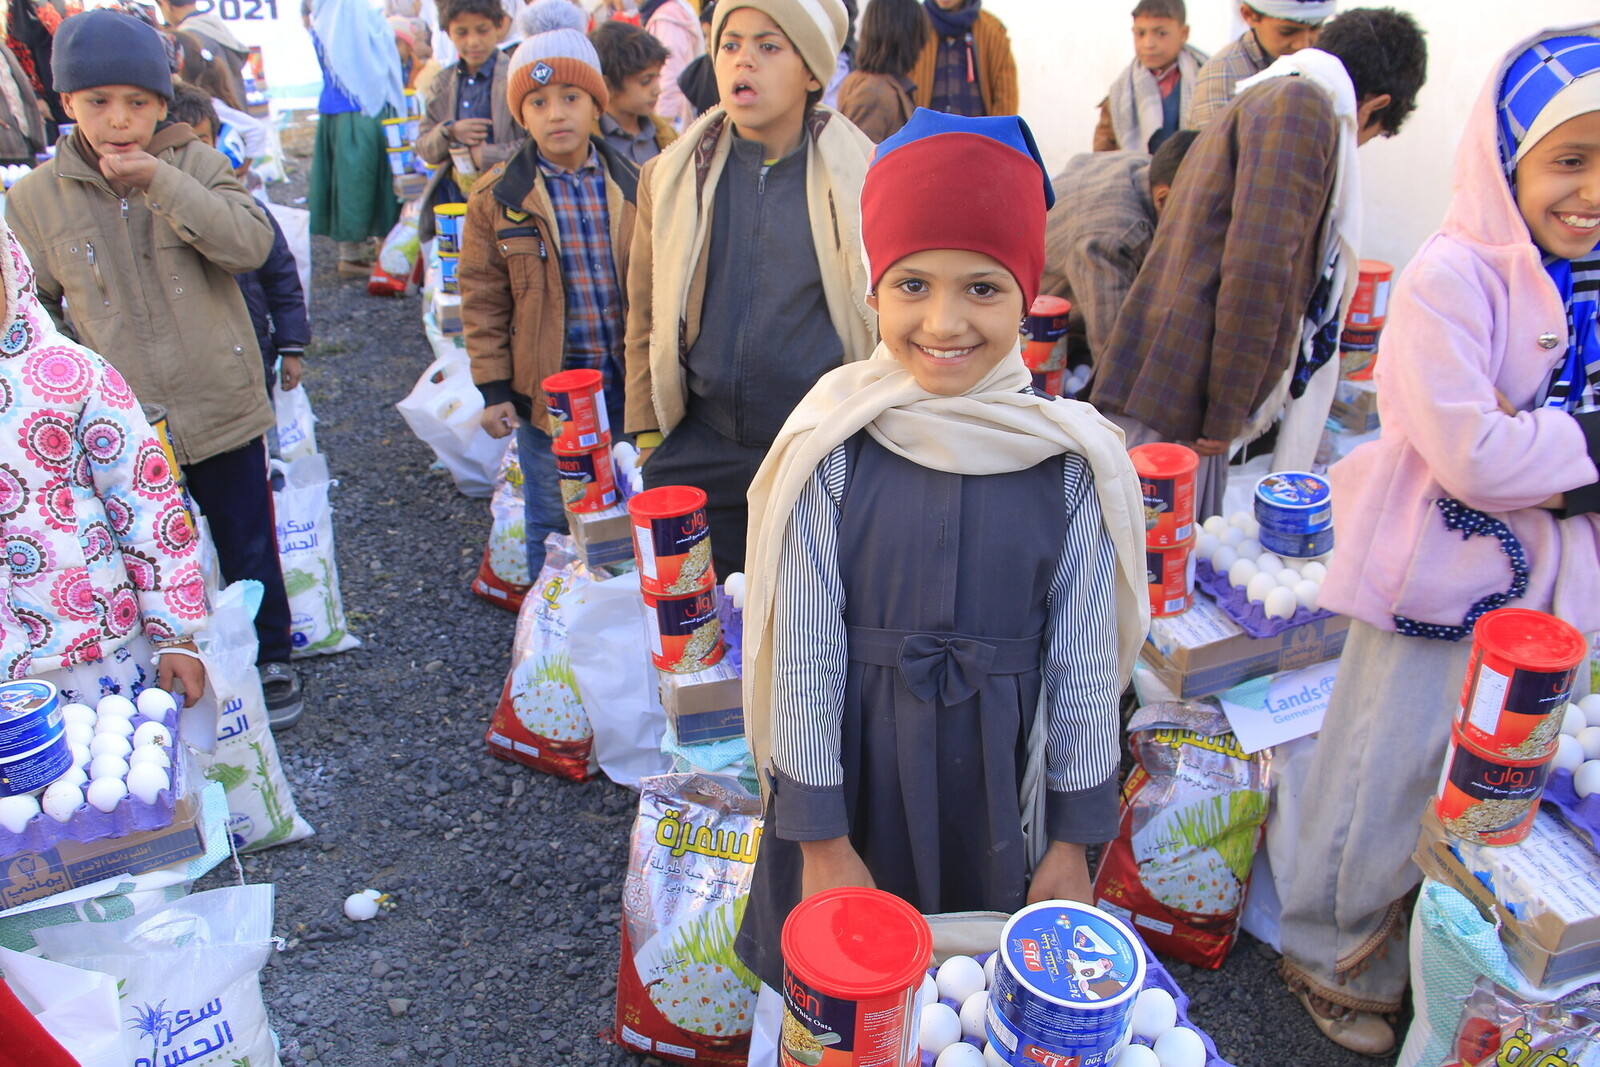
[{"x": 240, "y": 10}]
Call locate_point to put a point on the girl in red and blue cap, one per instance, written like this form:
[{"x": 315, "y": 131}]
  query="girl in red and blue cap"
[{"x": 946, "y": 579}]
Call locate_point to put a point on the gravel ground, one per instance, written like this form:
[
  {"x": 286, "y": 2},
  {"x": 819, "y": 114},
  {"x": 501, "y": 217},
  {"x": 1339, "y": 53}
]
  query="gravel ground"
[{"x": 501, "y": 948}]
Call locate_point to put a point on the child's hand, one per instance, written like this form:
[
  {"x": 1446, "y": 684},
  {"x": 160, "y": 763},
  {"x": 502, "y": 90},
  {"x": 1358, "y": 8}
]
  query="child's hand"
[
  {"x": 1063, "y": 874},
  {"x": 831, "y": 864},
  {"x": 289, "y": 371},
  {"x": 185, "y": 669},
  {"x": 1208, "y": 447},
  {"x": 499, "y": 420},
  {"x": 471, "y": 131},
  {"x": 134, "y": 169}
]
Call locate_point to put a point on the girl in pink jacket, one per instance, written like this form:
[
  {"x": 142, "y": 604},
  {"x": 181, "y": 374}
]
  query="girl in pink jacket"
[{"x": 1481, "y": 493}]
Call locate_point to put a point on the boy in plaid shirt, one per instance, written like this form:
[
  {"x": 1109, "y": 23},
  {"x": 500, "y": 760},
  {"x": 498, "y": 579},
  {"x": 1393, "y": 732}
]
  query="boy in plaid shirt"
[{"x": 543, "y": 250}]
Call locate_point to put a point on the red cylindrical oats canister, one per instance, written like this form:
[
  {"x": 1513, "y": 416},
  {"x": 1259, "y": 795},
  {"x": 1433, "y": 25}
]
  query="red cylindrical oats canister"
[
  {"x": 1369, "y": 305},
  {"x": 587, "y": 480},
  {"x": 577, "y": 406},
  {"x": 1485, "y": 798},
  {"x": 1045, "y": 325},
  {"x": 687, "y": 632},
  {"x": 1166, "y": 480},
  {"x": 1170, "y": 573},
  {"x": 672, "y": 540},
  {"x": 1518, "y": 682},
  {"x": 853, "y": 963}
]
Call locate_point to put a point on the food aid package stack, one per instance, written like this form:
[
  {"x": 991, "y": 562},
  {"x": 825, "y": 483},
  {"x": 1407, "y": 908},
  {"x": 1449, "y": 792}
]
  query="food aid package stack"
[
  {"x": 1192, "y": 817},
  {"x": 296, "y": 425},
  {"x": 245, "y": 756},
  {"x": 503, "y": 577},
  {"x": 682, "y": 995},
  {"x": 310, "y": 567},
  {"x": 177, "y": 985},
  {"x": 540, "y": 720},
  {"x": 442, "y": 409}
]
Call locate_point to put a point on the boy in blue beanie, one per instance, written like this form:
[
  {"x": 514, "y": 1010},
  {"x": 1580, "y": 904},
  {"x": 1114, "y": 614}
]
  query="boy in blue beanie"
[{"x": 135, "y": 230}]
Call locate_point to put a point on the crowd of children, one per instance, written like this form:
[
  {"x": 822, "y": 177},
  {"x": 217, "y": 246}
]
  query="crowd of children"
[{"x": 787, "y": 314}]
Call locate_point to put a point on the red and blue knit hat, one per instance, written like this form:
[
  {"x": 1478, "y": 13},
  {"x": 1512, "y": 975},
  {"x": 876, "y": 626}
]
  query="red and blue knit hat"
[{"x": 945, "y": 181}]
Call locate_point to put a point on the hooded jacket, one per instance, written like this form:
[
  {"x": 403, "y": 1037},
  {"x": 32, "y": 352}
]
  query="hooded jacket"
[
  {"x": 677, "y": 27},
  {"x": 1439, "y": 520},
  {"x": 99, "y": 543}
]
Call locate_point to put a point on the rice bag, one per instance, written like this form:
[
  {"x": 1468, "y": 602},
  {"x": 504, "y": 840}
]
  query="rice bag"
[
  {"x": 682, "y": 994},
  {"x": 1192, "y": 817},
  {"x": 539, "y": 720},
  {"x": 503, "y": 578},
  {"x": 1499, "y": 1027}
]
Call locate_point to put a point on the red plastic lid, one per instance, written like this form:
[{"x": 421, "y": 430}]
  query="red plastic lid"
[
  {"x": 666, "y": 502},
  {"x": 1050, "y": 305},
  {"x": 1375, "y": 266},
  {"x": 857, "y": 943},
  {"x": 574, "y": 381},
  {"x": 1532, "y": 640},
  {"x": 1163, "y": 460}
]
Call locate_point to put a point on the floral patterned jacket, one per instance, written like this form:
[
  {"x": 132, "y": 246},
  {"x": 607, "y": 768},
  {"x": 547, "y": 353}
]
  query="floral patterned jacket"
[{"x": 98, "y": 541}]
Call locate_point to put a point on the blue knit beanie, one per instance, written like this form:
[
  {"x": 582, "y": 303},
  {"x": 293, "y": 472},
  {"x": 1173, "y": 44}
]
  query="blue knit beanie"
[{"x": 105, "y": 47}]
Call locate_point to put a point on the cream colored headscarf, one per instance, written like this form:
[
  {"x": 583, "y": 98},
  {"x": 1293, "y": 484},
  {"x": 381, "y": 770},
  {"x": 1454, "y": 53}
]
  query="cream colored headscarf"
[{"x": 995, "y": 428}]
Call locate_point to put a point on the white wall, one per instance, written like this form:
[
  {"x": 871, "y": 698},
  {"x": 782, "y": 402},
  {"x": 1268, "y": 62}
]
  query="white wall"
[{"x": 1068, "y": 51}]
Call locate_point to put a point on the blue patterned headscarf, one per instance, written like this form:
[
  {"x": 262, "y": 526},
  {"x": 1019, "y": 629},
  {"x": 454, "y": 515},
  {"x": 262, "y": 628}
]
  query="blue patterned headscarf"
[{"x": 1532, "y": 81}]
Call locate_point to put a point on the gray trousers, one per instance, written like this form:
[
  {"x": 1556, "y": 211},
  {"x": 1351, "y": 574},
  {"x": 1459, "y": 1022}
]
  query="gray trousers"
[{"x": 1210, "y": 480}]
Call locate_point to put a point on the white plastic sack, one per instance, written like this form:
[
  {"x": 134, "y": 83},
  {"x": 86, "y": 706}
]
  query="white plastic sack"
[
  {"x": 188, "y": 976},
  {"x": 297, "y": 426},
  {"x": 76, "y": 1007},
  {"x": 442, "y": 410},
  {"x": 296, "y": 225},
  {"x": 310, "y": 568},
  {"x": 606, "y": 639}
]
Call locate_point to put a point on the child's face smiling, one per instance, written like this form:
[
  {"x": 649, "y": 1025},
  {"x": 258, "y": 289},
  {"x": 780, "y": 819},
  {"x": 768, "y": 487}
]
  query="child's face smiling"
[
  {"x": 1558, "y": 188},
  {"x": 475, "y": 38},
  {"x": 115, "y": 119},
  {"x": 1158, "y": 41},
  {"x": 948, "y": 315},
  {"x": 762, "y": 79},
  {"x": 559, "y": 118}
]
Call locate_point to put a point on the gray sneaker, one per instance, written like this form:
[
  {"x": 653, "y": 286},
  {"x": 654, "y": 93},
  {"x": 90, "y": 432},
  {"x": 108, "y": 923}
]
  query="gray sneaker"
[{"x": 280, "y": 684}]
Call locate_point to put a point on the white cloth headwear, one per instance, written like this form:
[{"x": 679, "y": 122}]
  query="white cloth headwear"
[{"x": 1307, "y": 11}]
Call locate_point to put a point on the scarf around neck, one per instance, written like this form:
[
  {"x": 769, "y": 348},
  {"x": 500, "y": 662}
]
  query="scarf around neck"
[{"x": 957, "y": 23}]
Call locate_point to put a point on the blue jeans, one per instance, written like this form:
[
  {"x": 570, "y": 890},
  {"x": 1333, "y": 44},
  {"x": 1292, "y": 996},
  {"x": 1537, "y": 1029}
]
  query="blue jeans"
[{"x": 541, "y": 494}]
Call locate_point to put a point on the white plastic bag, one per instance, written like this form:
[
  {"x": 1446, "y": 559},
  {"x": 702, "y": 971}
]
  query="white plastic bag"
[
  {"x": 606, "y": 640},
  {"x": 296, "y": 225},
  {"x": 297, "y": 426},
  {"x": 442, "y": 410},
  {"x": 310, "y": 568},
  {"x": 76, "y": 1007},
  {"x": 188, "y": 976}
]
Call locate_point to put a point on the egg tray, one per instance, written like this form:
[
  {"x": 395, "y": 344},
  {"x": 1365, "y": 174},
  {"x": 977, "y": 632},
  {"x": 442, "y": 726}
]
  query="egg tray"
[
  {"x": 89, "y": 823},
  {"x": 1246, "y": 612},
  {"x": 732, "y": 629},
  {"x": 1581, "y": 812}
]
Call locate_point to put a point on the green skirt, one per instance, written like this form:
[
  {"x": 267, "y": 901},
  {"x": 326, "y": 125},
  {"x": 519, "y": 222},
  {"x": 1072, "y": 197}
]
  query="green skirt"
[{"x": 352, "y": 191}]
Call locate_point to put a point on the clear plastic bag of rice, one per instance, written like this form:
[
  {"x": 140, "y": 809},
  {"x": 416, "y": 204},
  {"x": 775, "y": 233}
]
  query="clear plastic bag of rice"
[
  {"x": 682, "y": 995},
  {"x": 1192, "y": 815}
]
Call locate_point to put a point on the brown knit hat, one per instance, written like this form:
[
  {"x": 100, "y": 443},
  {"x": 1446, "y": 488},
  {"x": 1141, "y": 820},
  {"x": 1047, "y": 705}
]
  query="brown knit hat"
[{"x": 557, "y": 57}]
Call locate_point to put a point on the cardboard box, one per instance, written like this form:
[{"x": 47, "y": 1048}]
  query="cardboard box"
[
  {"x": 410, "y": 186},
  {"x": 1355, "y": 407},
  {"x": 1203, "y": 651},
  {"x": 1544, "y": 893},
  {"x": 707, "y": 705},
  {"x": 602, "y": 537},
  {"x": 30, "y": 875},
  {"x": 447, "y": 312}
]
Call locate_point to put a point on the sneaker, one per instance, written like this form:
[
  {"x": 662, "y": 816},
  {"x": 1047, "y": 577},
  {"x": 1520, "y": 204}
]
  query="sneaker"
[
  {"x": 1363, "y": 1032},
  {"x": 285, "y": 700}
]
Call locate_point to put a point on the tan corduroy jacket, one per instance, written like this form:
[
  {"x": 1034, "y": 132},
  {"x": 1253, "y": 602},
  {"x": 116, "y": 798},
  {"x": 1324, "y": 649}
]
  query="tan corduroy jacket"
[{"x": 997, "y": 68}]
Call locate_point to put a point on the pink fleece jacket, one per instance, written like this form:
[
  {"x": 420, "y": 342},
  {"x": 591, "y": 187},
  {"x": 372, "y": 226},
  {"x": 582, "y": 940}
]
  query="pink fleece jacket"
[{"x": 1473, "y": 313}]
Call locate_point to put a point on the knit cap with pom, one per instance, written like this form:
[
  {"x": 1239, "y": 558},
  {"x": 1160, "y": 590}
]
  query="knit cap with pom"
[
  {"x": 559, "y": 57},
  {"x": 817, "y": 29}
]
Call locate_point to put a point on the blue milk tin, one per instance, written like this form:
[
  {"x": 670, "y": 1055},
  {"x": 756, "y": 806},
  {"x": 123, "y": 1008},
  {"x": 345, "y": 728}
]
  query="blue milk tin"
[
  {"x": 33, "y": 737},
  {"x": 1295, "y": 510},
  {"x": 1065, "y": 987}
]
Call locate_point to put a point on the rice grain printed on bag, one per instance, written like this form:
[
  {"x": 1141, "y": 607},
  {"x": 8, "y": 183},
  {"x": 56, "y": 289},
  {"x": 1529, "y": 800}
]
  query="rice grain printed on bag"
[
  {"x": 1192, "y": 816},
  {"x": 682, "y": 995}
]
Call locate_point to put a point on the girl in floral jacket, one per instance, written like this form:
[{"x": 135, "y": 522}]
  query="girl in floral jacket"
[{"x": 100, "y": 549}]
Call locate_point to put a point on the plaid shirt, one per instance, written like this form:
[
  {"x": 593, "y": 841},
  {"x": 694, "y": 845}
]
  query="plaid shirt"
[
  {"x": 955, "y": 78},
  {"x": 1213, "y": 89},
  {"x": 588, "y": 270},
  {"x": 1213, "y": 320}
]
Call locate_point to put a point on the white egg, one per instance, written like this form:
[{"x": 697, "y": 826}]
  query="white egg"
[
  {"x": 150, "y": 754},
  {"x": 1180, "y": 1047},
  {"x": 1259, "y": 587},
  {"x": 1138, "y": 1056},
  {"x": 1587, "y": 779},
  {"x": 80, "y": 755},
  {"x": 1154, "y": 1013},
  {"x": 1252, "y": 527},
  {"x": 1280, "y": 603},
  {"x": 1241, "y": 519},
  {"x": 146, "y": 780},
  {"x": 959, "y": 977},
  {"x": 929, "y": 993},
  {"x": 733, "y": 585},
  {"x": 79, "y": 733},
  {"x": 1589, "y": 740},
  {"x": 16, "y": 811},
  {"x": 107, "y": 767},
  {"x": 1249, "y": 548},
  {"x": 113, "y": 724},
  {"x": 115, "y": 704},
  {"x": 76, "y": 775},
  {"x": 358, "y": 907},
  {"x": 155, "y": 703},
  {"x": 1314, "y": 570},
  {"x": 992, "y": 1057},
  {"x": 1232, "y": 536},
  {"x": 940, "y": 1029},
  {"x": 1572, "y": 720},
  {"x": 960, "y": 1054},
  {"x": 104, "y": 793},
  {"x": 972, "y": 1010},
  {"x": 151, "y": 733},
  {"x": 1289, "y": 578},
  {"x": 1216, "y": 526},
  {"x": 988, "y": 969},
  {"x": 110, "y": 745},
  {"x": 1591, "y": 708},
  {"x": 60, "y": 800},
  {"x": 1224, "y": 559},
  {"x": 1569, "y": 754},
  {"x": 1268, "y": 563},
  {"x": 78, "y": 713},
  {"x": 1242, "y": 573},
  {"x": 1205, "y": 545}
]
